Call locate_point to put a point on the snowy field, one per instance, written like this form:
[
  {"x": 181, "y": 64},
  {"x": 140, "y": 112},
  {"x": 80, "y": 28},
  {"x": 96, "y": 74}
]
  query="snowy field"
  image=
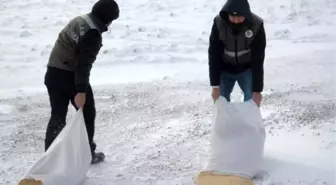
[{"x": 152, "y": 91}]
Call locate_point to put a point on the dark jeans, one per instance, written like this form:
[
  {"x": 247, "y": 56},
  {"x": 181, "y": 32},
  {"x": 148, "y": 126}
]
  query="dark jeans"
[
  {"x": 61, "y": 92},
  {"x": 244, "y": 80}
]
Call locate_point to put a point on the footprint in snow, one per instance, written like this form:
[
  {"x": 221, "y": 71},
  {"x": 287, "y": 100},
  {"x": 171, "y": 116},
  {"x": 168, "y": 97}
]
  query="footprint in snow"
[{"x": 25, "y": 34}]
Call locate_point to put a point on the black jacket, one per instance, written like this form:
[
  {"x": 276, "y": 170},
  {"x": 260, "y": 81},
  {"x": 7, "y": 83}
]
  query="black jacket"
[
  {"x": 103, "y": 13},
  {"x": 216, "y": 48}
]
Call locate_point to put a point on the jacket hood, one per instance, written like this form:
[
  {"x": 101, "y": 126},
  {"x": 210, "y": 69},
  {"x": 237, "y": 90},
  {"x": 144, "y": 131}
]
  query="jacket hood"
[
  {"x": 106, "y": 11},
  {"x": 241, "y": 7}
]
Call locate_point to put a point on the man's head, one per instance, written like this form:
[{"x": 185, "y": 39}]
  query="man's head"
[
  {"x": 236, "y": 11},
  {"x": 106, "y": 11},
  {"x": 236, "y": 18}
]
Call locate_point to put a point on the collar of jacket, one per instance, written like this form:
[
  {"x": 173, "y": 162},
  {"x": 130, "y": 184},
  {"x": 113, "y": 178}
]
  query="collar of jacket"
[{"x": 102, "y": 27}]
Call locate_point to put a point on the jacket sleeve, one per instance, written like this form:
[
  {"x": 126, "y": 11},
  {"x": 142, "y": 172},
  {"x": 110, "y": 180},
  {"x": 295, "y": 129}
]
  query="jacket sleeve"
[
  {"x": 89, "y": 47},
  {"x": 214, "y": 56},
  {"x": 258, "y": 55}
]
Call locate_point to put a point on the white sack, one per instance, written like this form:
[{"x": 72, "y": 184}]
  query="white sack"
[
  {"x": 68, "y": 159},
  {"x": 238, "y": 137}
]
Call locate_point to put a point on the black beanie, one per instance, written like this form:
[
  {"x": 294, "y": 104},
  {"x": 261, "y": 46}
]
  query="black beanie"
[{"x": 106, "y": 10}]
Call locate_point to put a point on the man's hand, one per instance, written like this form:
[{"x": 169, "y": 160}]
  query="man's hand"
[
  {"x": 215, "y": 93},
  {"x": 257, "y": 97},
  {"x": 80, "y": 100}
]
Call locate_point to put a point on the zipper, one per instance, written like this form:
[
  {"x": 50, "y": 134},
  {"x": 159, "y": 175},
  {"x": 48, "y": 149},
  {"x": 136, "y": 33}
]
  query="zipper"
[{"x": 235, "y": 37}]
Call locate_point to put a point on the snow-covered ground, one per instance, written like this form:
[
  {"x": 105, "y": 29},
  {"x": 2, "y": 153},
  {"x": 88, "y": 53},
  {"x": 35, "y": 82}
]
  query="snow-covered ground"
[{"x": 152, "y": 92}]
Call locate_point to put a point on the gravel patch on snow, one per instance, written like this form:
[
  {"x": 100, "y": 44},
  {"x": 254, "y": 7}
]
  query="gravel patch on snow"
[{"x": 154, "y": 133}]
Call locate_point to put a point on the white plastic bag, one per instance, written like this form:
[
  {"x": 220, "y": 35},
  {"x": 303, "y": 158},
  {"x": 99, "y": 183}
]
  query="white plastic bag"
[
  {"x": 68, "y": 159},
  {"x": 238, "y": 138}
]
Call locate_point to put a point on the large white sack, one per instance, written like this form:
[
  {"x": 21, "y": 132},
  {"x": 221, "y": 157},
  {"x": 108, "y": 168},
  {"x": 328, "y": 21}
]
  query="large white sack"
[
  {"x": 68, "y": 159},
  {"x": 238, "y": 137}
]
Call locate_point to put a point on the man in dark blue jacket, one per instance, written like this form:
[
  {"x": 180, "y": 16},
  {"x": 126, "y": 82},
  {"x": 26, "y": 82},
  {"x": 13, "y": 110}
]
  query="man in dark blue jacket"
[{"x": 237, "y": 51}]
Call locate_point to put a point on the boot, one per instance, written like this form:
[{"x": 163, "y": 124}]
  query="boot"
[{"x": 97, "y": 157}]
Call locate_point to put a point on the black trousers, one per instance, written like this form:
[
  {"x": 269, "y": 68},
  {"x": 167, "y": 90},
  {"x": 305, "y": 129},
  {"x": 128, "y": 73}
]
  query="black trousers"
[{"x": 61, "y": 91}]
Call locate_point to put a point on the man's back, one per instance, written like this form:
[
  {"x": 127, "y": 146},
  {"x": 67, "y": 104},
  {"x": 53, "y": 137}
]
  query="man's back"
[{"x": 65, "y": 52}]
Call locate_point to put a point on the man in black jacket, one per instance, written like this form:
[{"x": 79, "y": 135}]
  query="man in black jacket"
[
  {"x": 69, "y": 67},
  {"x": 237, "y": 51}
]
